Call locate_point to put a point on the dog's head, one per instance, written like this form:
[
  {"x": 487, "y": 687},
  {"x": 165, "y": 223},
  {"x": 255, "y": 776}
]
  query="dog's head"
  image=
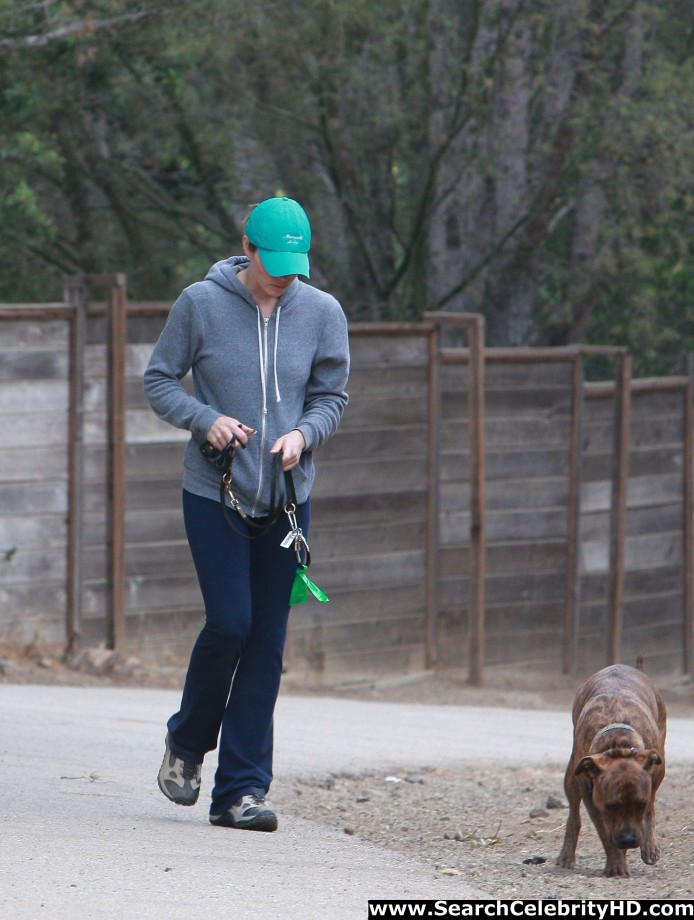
[{"x": 619, "y": 782}]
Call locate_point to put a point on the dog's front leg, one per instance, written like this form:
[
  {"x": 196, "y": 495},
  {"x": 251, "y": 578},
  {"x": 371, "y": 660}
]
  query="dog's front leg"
[
  {"x": 567, "y": 856},
  {"x": 616, "y": 864},
  {"x": 615, "y": 859},
  {"x": 650, "y": 850}
]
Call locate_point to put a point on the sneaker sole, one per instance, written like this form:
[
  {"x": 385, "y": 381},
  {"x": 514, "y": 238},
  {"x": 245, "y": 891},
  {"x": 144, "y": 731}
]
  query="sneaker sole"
[
  {"x": 266, "y": 821},
  {"x": 177, "y": 800}
]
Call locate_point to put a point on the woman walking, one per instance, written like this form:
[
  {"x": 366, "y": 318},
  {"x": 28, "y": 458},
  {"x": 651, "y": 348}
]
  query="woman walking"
[{"x": 269, "y": 358}]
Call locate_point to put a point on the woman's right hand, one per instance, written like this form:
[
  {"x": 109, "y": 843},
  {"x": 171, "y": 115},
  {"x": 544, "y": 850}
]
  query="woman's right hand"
[{"x": 225, "y": 428}]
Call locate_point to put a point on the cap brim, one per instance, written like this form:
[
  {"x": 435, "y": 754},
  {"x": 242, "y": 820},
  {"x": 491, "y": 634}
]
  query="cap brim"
[{"x": 278, "y": 264}]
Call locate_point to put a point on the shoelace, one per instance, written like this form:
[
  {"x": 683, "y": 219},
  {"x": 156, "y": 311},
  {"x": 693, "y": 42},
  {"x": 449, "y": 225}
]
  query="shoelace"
[{"x": 189, "y": 770}]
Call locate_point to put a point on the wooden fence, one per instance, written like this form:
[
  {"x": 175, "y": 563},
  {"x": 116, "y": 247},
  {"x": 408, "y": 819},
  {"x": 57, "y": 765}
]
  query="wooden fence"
[
  {"x": 588, "y": 507},
  {"x": 476, "y": 506}
]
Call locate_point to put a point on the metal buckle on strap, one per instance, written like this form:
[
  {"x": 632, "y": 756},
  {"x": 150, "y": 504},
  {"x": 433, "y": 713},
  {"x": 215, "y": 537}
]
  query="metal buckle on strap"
[{"x": 233, "y": 500}]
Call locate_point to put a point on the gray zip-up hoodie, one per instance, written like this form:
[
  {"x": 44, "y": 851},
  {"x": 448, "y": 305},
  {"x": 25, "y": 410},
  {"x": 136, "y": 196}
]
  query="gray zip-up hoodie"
[{"x": 288, "y": 371}]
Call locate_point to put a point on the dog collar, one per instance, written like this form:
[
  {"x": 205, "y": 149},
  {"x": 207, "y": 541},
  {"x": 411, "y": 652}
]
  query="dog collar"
[{"x": 607, "y": 728}]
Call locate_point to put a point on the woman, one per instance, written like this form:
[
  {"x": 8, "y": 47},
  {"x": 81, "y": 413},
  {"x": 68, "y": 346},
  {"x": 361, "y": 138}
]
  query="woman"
[{"x": 269, "y": 357}]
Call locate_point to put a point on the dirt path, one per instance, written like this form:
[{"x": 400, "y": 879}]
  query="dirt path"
[
  {"x": 497, "y": 828},
  {"x": 494, "y": 829},
  {"x": 501, "y": 829}
]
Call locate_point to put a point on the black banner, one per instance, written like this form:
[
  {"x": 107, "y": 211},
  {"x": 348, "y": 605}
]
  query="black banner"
[{"x": 602, "y": 910}]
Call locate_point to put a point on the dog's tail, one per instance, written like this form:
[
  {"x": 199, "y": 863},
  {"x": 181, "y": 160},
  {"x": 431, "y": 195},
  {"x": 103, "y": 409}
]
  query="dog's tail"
[{"x": 639, "y": 663}]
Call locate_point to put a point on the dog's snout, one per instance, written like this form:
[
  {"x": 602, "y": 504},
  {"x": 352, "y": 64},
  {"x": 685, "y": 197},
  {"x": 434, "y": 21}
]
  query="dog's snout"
[{"x": 627, "y": 840}]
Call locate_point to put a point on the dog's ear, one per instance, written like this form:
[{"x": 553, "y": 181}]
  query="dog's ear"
[
  {"x": 589, "y": 766},
  {"x": 649, "y": 759}
]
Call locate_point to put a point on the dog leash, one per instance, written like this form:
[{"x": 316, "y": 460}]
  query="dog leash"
[{"x": 295, "y": 538}]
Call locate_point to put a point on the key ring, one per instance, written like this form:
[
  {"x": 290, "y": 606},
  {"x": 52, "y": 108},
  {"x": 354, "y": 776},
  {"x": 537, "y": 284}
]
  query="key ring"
[{"x": 300, "y": 545}]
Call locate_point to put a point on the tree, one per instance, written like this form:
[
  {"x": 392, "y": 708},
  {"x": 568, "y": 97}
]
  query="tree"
[
  {"x": 105, "y": 167},
  {"x": 539, "y": 229},
  {"x": 524, "y": 159}
]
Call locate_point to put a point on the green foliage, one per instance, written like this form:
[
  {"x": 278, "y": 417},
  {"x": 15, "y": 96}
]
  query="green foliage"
[
  {"x": 552, "y": 147},
  {"x": 634, "y": 134},
  {"x": 648, "y": 295}
]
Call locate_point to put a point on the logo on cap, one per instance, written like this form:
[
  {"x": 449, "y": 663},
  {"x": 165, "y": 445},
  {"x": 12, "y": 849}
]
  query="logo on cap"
[{"x": 280, "y": 230}]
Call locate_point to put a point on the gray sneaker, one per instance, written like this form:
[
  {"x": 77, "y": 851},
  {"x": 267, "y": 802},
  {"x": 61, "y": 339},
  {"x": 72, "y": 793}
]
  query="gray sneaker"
[
  {"x": 178, "y": 779},
  {"x": 250, "y": 813}
]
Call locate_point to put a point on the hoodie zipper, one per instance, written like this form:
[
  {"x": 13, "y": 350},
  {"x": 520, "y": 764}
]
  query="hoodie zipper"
[{"x": 262, "y": 350}]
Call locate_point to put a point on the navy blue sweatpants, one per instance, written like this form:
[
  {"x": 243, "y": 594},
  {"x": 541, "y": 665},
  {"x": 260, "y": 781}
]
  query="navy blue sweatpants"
[{"x": 236, "y": 664}]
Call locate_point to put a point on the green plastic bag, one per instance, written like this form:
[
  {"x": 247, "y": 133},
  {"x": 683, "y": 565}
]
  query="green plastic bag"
[{"x": 302, "y": 585}]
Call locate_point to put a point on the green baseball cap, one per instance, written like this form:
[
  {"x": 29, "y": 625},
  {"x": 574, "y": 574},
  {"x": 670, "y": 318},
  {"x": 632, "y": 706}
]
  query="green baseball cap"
[{"x": 279, "y": 228}]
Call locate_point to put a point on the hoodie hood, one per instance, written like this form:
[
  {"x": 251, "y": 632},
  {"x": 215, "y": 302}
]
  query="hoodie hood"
[{"x": 225, "y": 274}]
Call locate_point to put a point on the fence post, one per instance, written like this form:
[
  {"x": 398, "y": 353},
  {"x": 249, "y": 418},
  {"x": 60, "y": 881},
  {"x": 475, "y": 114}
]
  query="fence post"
[
  {"x": 572, "y": 586},
  {"x": 116, "y": 341},
  {"x": 477, "y": 498},
  {"x": 75, "y": 293},
  {"x": 431, "y": 645},
  {"x": 620, "y": 478},
  {"x": 687, "y": 638},
  {"x": 474, "y": 326}
]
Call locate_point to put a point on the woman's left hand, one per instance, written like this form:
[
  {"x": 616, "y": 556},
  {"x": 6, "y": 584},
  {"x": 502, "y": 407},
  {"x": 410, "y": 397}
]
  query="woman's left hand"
[{"x": 291, "y": 446}]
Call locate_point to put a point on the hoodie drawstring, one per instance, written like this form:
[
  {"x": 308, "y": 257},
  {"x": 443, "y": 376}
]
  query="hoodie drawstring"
[
  {"x": 274, "y": 356},
  {"x": 262, "y": 355},
  {"x": 261, "y": 358}
]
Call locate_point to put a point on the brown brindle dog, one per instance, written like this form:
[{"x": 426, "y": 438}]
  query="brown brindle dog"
[{"x": 616, "y": 766}]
